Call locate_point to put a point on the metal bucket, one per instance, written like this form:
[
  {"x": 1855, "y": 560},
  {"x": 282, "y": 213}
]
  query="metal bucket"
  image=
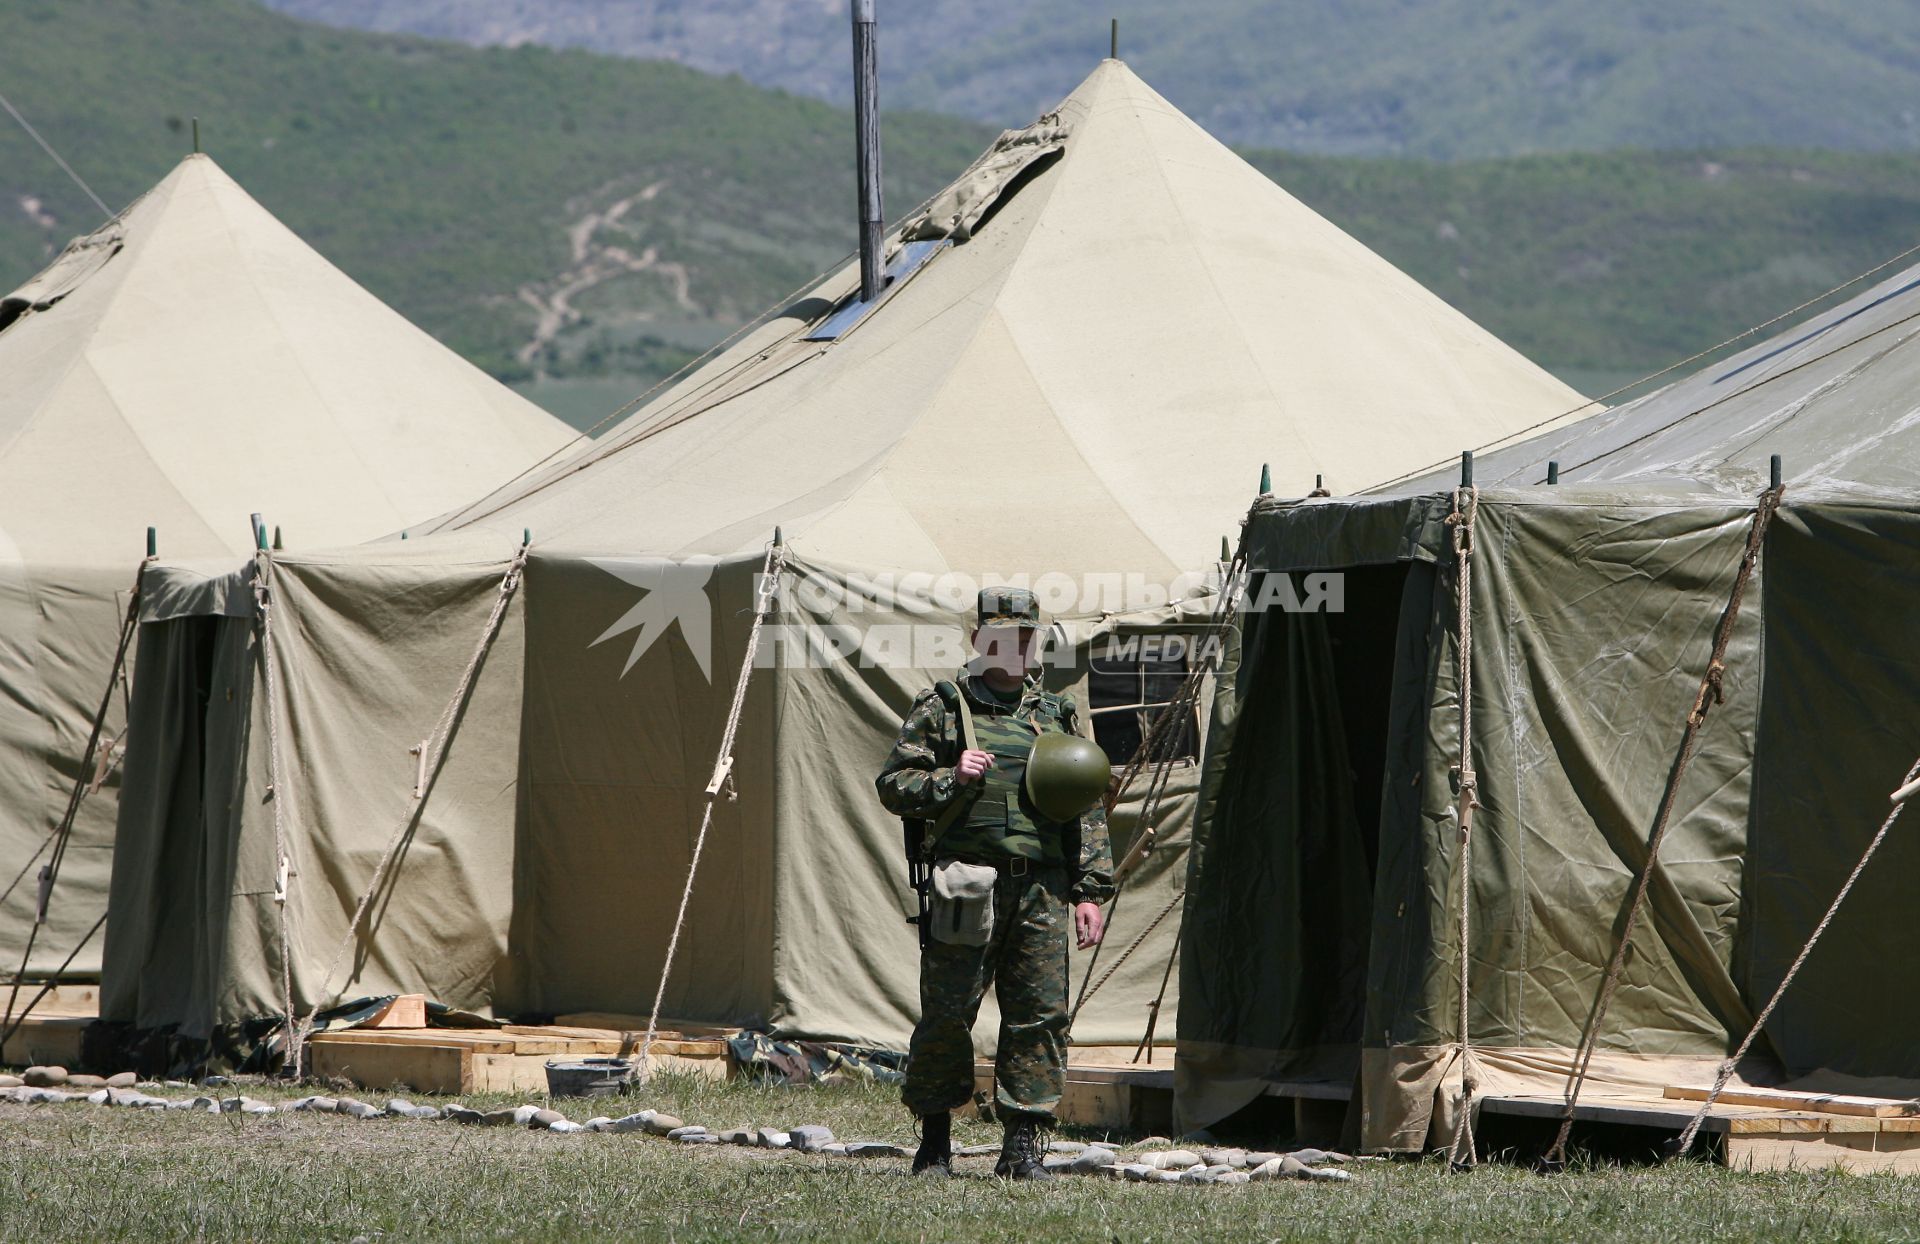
[{"x": 587, "y": 1077}]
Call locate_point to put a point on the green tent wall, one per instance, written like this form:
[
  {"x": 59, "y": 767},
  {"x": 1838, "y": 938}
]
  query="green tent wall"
[{"x": 1594, "y": 604}]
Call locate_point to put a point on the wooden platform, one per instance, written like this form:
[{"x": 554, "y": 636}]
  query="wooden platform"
[
  {"x": 512, "y": 1059},
  {"x": 66, "y": 1000},
  {"x": 48, "y": 1040},
  {"x": 1764, "y": 1129},
  {"x": 1106, "y": 1088}
]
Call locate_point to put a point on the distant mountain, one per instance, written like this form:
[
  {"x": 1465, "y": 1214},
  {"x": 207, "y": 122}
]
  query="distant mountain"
[
  {"x": 1441, "y": 79},
  {"x": 578, "y": 216},
  {"x": 537, "y": 210}
]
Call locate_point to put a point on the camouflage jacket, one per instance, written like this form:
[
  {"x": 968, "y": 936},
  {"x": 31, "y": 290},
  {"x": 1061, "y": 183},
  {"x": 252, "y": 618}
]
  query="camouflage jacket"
[{"x": 918, "y": 782}]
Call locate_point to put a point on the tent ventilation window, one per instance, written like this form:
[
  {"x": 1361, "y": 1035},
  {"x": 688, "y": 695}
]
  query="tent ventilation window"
[
  {"x": 906, "y": 261},
  {"x": 1128, "y": 683}
]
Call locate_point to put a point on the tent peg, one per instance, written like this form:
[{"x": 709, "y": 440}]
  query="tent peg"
[
  {"x": 1266, "y": 479},
  {"x": 1773, "y": 468},
  {"x": 1466, "y": 468},
  {"x": 277, "y": 546},
  {"x": 153, "y": 542},
  {"x": 259, "y": 534},
  {"x": 1553, "y": 470}
]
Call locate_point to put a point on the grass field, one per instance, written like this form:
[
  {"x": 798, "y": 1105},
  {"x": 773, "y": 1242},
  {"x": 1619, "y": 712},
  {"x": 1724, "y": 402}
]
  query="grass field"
[{"x": 84, "y": 1172}]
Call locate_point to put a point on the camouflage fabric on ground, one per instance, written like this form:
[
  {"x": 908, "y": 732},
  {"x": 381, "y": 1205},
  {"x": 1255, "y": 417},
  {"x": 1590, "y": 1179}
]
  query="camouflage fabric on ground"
[{"x": 762, "y": 1057}]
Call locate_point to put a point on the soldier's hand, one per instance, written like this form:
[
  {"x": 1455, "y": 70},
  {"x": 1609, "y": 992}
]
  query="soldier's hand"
[
  {"x": 1089, "y": 925},
  {"x": 973, "y": 763}
]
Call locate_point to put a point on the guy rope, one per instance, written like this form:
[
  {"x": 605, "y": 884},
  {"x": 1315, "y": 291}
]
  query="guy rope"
[
  {"x": 1910, "y": 787},
  {"x": 87, "y": 779},
  {"x": 1466, "y": 507},
  {"x": 767, "y": 600},
  {"x": 1712, "y": 691},
  {"x": 1157, "y": 751},
  {"x": 432, "y": 751}
]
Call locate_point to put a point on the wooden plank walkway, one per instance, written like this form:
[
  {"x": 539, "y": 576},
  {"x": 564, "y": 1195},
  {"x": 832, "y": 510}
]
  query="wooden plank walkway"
[
  {"x": 1823, "y": 1132},
  {"x": 512, "y": 1059}
]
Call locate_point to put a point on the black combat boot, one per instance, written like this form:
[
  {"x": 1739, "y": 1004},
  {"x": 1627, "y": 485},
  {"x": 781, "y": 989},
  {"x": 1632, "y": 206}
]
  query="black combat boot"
[
  {"x": 936, "y": 1146},
  {"x": 1021, "y": 1153}
]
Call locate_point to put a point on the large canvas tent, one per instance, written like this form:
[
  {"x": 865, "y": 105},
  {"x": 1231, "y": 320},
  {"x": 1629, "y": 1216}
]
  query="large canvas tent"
[
  {"x": 1329, "y": 804},
  {"x": 187, "y": 364},
  {"x": 1090, "y": 342}
]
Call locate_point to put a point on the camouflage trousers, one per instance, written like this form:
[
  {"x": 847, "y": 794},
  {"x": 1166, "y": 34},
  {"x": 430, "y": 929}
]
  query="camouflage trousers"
[{"x": 1026, "y": 962}]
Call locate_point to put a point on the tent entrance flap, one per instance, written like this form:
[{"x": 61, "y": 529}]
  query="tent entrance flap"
[
  {"x": 1285, "y": 865},
  {"x": 1362, "y": 640}
]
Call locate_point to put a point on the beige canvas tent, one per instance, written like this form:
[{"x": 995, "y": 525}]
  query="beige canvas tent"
[
  {"x": 187, "y": 364},
  {"x": 1089, "y": 346}
]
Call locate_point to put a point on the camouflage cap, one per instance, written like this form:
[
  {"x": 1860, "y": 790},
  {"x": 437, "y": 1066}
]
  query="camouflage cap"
[{"x": 1008, "y": 606}]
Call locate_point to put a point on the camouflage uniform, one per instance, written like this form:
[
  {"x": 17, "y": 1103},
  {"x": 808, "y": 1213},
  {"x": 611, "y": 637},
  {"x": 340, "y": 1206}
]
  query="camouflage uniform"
[{"x": 1043, "y": 869}]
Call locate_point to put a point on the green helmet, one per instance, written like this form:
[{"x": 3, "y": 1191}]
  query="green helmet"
[{"x": 1066, "y": 776}]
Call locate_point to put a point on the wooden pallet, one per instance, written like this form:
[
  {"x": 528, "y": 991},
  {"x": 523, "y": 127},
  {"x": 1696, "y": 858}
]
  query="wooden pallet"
[
  {"x": 67, "y": 999},
  {"x": 1757, "y": 1137},
  {"x": 512, "y": 1059},
  {"x": 1815, "y": 1103},
  {"x": 1106, "y": 1088},
  {"x": 46, "y": 1040}
]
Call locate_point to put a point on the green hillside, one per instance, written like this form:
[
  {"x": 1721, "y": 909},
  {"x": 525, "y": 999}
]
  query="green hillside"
[
  {"x": 486, "y": 193},
  {"x": 1434, "y": 78},
  {"x": 454, "y": 183},
  {"x": 1622, "y": 262}
]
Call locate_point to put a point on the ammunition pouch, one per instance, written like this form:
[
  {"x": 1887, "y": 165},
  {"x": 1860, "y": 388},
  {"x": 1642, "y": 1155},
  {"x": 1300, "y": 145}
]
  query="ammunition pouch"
[{"x": 962, "y": 903}]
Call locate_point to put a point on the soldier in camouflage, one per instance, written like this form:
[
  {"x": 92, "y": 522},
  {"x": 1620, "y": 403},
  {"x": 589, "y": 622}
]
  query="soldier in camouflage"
[{"x": 1049, "y": 873}]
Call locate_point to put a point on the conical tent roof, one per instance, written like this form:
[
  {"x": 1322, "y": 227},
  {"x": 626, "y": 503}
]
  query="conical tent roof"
[
  {"x": 186, "y": 365},
  {"x": 1092, "y": 379},
  {"x": 194, "y": 361}
]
